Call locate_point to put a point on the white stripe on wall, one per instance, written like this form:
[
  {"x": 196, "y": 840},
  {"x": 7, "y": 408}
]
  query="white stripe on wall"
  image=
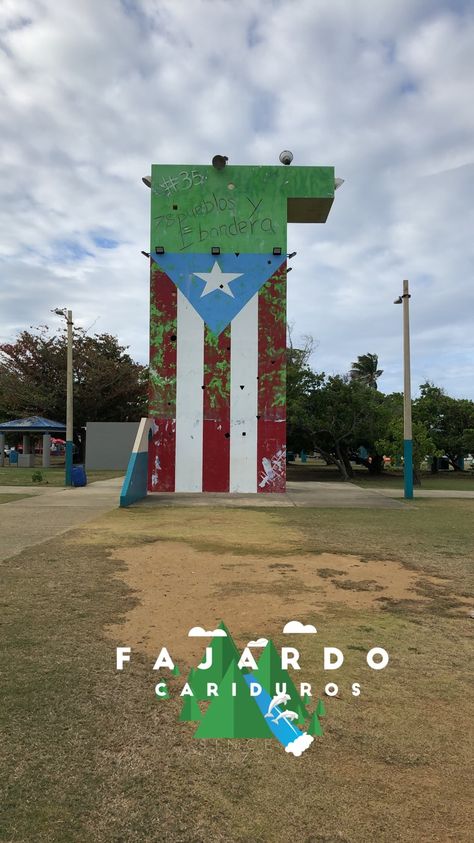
[
  {"x": 243, "y": 402},
  {"x": 189, "y": 398}
]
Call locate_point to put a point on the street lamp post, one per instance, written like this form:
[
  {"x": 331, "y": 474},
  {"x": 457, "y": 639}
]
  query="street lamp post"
[
  {"x": 407, "y": 421},
  {"x": 69, "y": 394},
  {"x": 69, "y": 403}
]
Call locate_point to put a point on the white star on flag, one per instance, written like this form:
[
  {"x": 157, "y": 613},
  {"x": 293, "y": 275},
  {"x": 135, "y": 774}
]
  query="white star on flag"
[{"x": 217, "y": 280}]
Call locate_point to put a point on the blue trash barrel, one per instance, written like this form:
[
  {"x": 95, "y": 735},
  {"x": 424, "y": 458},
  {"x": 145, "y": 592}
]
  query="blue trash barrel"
[
  {"x": 13, "y": 457},
  {"x": 79, "y": 476}
]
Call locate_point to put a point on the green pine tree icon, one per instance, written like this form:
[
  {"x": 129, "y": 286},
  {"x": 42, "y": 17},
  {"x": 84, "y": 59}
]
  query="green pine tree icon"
[
  {"x": 270, "y": 672},
  {"x": 224, "y": 652},
  {"x": 315, "y": 727},
  {"x": 190, "y": 680},
  {"x": 321, "y": 708},
  {"x": 165, "y": 695},
  {"x": 190, "y": 710},
  {"x": 231, "y": 716},
  {"x": 176, "y": 671}
]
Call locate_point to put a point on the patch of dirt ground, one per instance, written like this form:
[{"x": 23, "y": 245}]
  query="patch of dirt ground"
[{"x": 178, "y": 586}]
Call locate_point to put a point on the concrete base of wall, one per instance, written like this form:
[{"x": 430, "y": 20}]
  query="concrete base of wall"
[
  {"x": 136, "y": 480},
  {"x": 26, "y": 460},
  {"x": 135, "y": 484}
]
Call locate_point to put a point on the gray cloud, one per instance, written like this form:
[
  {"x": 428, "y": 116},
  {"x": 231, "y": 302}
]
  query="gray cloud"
[{"x": 91, "y": 93}]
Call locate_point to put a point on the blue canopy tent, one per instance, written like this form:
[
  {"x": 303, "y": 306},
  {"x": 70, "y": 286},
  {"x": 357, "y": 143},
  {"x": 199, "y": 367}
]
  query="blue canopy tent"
[{"x": 28, "y": 427}]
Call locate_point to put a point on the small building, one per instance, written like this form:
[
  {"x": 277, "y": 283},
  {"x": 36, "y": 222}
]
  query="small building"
[{"x": 31, "y": 427}]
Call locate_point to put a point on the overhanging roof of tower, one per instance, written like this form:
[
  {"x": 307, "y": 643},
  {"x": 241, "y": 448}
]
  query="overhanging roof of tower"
[{"x": 309, "y": 210}]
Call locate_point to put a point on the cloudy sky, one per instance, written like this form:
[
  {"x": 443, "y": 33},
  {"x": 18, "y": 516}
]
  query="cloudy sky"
[{"x": 92, "y": 92}]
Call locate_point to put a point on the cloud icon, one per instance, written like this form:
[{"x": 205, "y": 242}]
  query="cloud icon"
[
  {"x": 200, "y": 632},
  {"x": 297, "y": 626},
  {"x": 260, "y": 642}
]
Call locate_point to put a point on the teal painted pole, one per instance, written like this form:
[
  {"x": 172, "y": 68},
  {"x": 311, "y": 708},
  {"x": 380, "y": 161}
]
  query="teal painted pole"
[
  {"x": 69, "y": 403},
  {"x": 408, "y": 468},
  {"x": 69, "y": 460},
  {"x": 407, "y": 422}
]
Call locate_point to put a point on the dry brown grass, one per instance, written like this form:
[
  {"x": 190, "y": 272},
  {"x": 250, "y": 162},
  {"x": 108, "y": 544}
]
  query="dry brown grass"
[{"x": 90, "y": 755}]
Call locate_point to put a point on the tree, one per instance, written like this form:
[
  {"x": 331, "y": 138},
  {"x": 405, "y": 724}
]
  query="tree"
[
  {"x": 301, "y": 381},
  {"x": 339, "y": 415},
  {"x": 468, "y": 440},
  {"x": 223, "y": 652},
  {"x": 108, "y": 384},
  {"x": 365, "y": 370},
  {"x": 164, "y": 695},
  {"x": 233, "y": 715},
  {"x": 447, "y": 420},
  {"x": 190, "y": 710},
  {"x": 321, "y": 708},
  {"x": 423, "y": 444},
  {"x": 315, "y": 727}
]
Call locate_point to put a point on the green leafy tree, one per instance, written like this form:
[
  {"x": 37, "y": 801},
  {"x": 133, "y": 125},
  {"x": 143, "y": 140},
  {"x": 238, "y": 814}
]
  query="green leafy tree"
[
  {"x": 108, "y": 384},
  {"x": 447, "y": 420},
  {"x": 423, "y": 444},
  {"x": 334, "y": 416},
  {"x": 301, "y": 383},
  {"x": 341, "y": 415},
  {"x": 365, "y": 369},
  {"x": 468, "y": 441}
]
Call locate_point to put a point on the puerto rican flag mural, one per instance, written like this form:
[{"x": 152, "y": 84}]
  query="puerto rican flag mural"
[{"x": 217, "y": 373}]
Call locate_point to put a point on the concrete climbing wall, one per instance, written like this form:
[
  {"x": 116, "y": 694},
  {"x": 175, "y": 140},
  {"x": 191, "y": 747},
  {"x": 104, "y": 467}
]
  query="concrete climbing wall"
[{"x": 218, "y": 321}]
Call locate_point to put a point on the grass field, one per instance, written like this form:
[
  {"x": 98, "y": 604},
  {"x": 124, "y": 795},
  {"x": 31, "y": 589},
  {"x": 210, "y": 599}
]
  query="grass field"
[
  {"x": 443, "y": 480},
  {"x": 7, "y": 498},
  {"x": 15, "y": 476},
  {"x": 89, "y": 754}
]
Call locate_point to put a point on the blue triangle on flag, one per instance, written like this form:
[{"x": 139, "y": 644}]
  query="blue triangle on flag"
[{"x": 218, "y": 286}]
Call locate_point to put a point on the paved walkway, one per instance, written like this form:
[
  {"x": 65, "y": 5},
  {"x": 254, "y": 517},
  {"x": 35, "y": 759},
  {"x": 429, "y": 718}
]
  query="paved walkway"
[
  {"x": 51, "y": 511},
  {"x": 309, "y": 494},
  {"x": 428, "y": 493}
]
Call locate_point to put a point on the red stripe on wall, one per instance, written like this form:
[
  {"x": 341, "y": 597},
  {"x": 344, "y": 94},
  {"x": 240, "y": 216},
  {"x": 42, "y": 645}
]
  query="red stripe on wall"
[
  {"x": 161, "y": 456},
  {"x": 216, "y": 419},
  {"x": 271, "y": 438},
  {"x": 162, "y": 396}
]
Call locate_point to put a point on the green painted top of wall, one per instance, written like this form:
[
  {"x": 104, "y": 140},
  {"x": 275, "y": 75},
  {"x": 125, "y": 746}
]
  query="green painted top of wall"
[{"x": 240, "y": 208}]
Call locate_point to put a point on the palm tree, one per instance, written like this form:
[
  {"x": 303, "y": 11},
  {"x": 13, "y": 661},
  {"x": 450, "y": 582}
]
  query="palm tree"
[{"x": 365, "y": 370}]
